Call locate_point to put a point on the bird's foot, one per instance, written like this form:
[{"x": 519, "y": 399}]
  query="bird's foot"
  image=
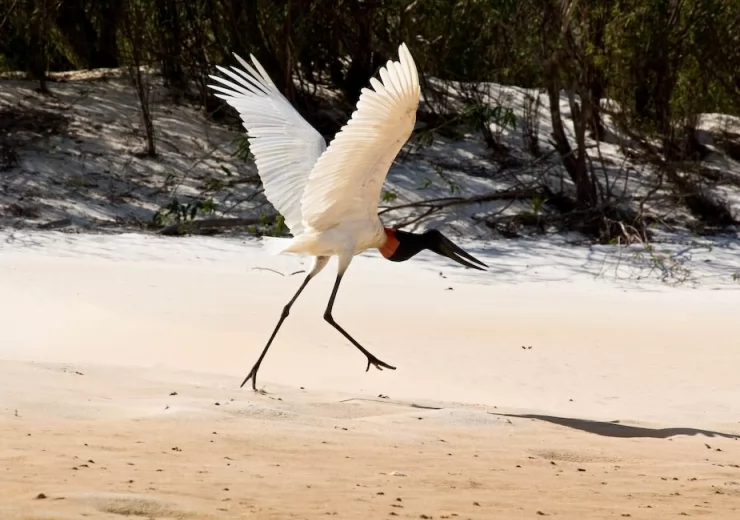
[
  {"x": 380, "y": 365},
  {"x": 253, "y": 376}
]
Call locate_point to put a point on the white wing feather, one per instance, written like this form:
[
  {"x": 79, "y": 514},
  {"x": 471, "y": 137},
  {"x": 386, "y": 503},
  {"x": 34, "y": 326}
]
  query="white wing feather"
[
  {"x": 345, "y": 182},
  {"x": 285, "y": 146}
]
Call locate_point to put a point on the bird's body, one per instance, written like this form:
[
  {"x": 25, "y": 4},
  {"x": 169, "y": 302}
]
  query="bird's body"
[
  {"x": 329, "y": 196},
  {"x": 350, "y": 237}
]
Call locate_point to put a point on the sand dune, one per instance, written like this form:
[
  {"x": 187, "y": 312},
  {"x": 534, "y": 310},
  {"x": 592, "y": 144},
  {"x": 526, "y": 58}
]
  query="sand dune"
[{"x": 122, "y": 356}]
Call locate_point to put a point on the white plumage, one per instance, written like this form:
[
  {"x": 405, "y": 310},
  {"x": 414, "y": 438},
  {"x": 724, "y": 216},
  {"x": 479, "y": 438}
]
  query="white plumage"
[
  {"x": 328, "y": 196},
  {"x": 345, "y": 182},
  {"x": 284, "y": 145}
]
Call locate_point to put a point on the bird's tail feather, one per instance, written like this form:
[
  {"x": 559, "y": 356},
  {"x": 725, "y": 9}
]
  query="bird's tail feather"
[{"x": 275, "y": 245}]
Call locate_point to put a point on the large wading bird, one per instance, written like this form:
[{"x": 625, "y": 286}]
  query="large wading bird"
[{"x": 329, "y": 196}]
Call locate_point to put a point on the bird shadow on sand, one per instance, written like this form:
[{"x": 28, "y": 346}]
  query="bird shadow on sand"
[{"x": 614, "y": 429}]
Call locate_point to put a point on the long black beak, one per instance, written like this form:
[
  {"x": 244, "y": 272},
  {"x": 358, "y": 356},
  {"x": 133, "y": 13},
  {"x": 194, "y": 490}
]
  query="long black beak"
[{"x": 441, "y": 245}]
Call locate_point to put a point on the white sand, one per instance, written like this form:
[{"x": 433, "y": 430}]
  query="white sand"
[{"x": 97, "y": 331}]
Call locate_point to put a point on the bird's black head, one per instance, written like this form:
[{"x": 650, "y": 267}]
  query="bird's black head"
[{"x": 402, "y": 245}]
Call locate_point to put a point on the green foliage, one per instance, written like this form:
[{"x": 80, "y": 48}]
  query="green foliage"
[
  {"x": 269, "y": 227},
  {"x": 242, "y": 151},
  {"x": 538, "y": 203},
  {"x": 661, "y": 58},
  {"x": 389, "y": 196},
  {"x": 275, "y": 229},
  {"x": 664, "y": 60},
  {"x": 177, "y": 213},
  {"x": 481, "y": 114}
]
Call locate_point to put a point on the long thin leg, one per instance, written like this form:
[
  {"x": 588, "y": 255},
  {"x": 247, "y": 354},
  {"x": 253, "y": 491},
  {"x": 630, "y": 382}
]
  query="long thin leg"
[
  {"x": 371, "y": 360},
  {"x": 319, "y": 263}
]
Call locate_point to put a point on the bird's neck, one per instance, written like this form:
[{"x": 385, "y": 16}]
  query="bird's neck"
[{"x": 391, "y": 243}]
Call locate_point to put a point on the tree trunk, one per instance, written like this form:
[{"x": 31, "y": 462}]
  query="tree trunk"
[
  {"x": 595, "y": 77},
  {"x": 289, "y": 89},
  {"x": 573, "y": 161},
  {"x": 135, "y": 30},
  {"x": 106, "y": 55},
  {"x": 78, "y": 31},
  {"x": 170, "y": 38},
  {"x": 592, "y": 108},
  {"x": 37, "y": 42},
  {"x": 361, "y": 66}
]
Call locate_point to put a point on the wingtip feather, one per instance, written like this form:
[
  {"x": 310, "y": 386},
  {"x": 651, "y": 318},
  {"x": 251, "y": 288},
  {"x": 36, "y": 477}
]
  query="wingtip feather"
[{"x": 407, "y": 61}]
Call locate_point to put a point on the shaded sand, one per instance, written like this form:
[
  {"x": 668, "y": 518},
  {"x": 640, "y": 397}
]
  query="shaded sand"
[
  {"x": 122, "y": 356},
  {"x": 77, "y": 161}
]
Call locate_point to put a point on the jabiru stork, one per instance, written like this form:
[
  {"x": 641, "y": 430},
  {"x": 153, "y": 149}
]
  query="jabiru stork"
[{"x": 329, "y": 196}]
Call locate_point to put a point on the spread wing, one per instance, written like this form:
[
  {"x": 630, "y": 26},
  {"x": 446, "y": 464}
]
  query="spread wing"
[
  {"x": 284, "y": 145},
  {"x": 345, "y": 182}
]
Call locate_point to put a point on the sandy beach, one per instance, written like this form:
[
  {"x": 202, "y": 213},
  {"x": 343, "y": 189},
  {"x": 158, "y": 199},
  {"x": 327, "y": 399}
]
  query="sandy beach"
[
  {"x": 543, "y": 393},
  {"x": 589, "y": 156}
]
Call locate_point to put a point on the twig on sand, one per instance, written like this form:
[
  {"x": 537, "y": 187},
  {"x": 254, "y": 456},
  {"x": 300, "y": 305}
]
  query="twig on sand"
[
  {"x": 277, "y": 272},
  {"x": 267, "y": 269}
]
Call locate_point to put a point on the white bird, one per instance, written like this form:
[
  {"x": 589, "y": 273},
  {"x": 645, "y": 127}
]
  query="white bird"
[{"x": 329, "y": 196}]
